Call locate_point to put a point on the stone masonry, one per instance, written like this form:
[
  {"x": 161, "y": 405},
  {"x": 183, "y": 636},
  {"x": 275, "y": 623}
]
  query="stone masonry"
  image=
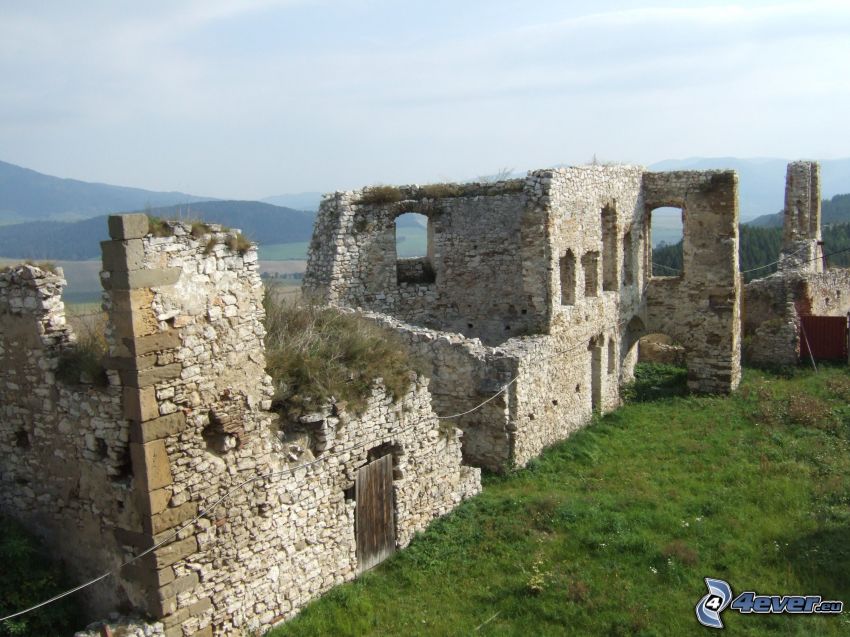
[
  {"x": 802, "y": 286},
  {"x": 534, "y": 292},
  {"x": 184, "y": 428}
]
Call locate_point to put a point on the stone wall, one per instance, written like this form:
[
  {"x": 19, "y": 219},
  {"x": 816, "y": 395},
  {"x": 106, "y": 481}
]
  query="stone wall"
[
  {"x": 700, "y": 308},
  {"x": 202, "y": 431},
  {"x": 801, "y": 230},
  {"x": 774, "y": 304},
  {"x": 245, "y": 519},
  {"x": 542, "y": 283},
  {"x": 476, "y": 235},
  {"x": 64, "y": 455}
]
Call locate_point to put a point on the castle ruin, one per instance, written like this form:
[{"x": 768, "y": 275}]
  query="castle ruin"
[
  {"x": 539, "y": 287},
  {"x": 526, "y": 309},
  {"x": 176, "y": 458}
]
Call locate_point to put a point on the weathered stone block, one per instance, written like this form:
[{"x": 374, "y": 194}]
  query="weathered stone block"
[
  {"x": 177, "y": 550},
  {"x": 130, "y": 362},
  {"x": 180, "y": 585},
  {"x": 152, "y": 375},
  {"x": 121, "y": 256},
  {"x": 138, "y": 279},
  {"x": 150, "y": 464},
  {"x": 153, "y": 342},
  {"x": 158, "y": 428},
  {"x": 132, "y": 226},
  {"x": 170, "y": 518},
  {"x": 140, "y": 404}
]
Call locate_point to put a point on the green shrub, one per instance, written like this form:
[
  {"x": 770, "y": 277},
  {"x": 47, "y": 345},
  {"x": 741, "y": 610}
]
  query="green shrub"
[
  {"x": 29, "y": 577},
  {"x": 380, "y": 195},
  {"x": 315, "y": 354}
]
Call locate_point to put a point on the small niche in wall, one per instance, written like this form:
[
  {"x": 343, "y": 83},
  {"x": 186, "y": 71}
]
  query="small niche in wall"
[
  {"x": 628, "y": 259},
  {"x": 590, "y": 265},
  {"x": 568, "y": 278},
  {"x": 22, "y": 439},
  {"x": 610, "y": 278}
]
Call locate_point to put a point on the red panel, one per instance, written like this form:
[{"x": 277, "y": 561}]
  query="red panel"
[{"x": 825, "y": 335}]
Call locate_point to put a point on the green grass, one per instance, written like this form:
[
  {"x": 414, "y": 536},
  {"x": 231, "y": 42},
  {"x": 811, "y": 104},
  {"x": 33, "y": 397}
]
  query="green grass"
[
  {"x": 613, "y": 531},
  {"x": 29, "y": 577}
]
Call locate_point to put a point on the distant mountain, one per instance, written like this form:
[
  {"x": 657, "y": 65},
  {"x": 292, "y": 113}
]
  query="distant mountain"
[
  {"x": 297, "y": 200},
  {"x": 57, "y": 240},
  {"x": 762, "y": 180},
  {"x": 26, "y": 195}
]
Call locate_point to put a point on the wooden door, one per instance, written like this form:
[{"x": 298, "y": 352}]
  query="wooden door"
[
  {"x": 823, "y": 337},
  {"x": 375, "y": 512}
]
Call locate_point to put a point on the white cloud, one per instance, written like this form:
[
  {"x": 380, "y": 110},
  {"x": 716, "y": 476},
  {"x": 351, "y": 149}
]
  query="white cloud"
[{"x": 641, "y": 82}]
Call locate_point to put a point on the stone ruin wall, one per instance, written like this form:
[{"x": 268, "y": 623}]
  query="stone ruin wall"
[
  {"x": 565, "y": 331},
  {"x": 476, "y": 257},
  {"x": 64, "y": 449},
  {"x": 189, "y": 391},
  {"x": 774, "y": 304},
  {"x": 700, "y": 308}
]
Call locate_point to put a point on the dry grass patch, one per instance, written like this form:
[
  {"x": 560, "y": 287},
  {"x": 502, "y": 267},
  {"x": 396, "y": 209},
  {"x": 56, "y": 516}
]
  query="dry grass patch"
[{"x": 318, "y": 354}]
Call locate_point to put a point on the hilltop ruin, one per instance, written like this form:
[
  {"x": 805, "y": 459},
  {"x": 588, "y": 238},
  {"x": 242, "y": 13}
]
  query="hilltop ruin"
[
  {"x": 542, "y": 287},
  {"x": 527, "y": 309}
]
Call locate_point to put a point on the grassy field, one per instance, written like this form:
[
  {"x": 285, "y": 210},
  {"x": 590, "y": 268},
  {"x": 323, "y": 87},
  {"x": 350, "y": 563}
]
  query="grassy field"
[
  {"x": 284, "y": 251},
  {"x": 613, "y": 531}
]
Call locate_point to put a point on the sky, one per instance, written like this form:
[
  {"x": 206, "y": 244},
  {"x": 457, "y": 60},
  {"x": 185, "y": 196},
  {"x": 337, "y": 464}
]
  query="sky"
[{"x": 253, "y": 98}]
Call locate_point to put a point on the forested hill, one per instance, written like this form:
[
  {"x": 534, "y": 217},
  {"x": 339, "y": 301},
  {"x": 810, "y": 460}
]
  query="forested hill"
[
  {"x": 57, "y": 240},
  {"x": 835, "y": 210},
  {"x": 760, "y": 246}
]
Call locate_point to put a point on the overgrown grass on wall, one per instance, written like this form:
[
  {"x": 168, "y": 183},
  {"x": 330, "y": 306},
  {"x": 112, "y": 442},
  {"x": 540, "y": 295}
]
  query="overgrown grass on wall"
[
  {"x": 83, "y": 362},
  {"x": 612, "y": 531},
  {"x": 315, "y": 354},
  {"x": 29, "y": 576}
]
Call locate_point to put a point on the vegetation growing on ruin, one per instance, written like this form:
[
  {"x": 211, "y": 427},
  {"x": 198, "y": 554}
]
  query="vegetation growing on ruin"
[
  {"x": 380, "y": 195},
  {"x": 439, "y": 191},
  {"x": 319, "y": 354},
  {"x": 29, "y": 577},
  {"x": 82, "y": 362},
  {"x": 238, "y": 242},
  {"x": 159, "y": 227},
  {"x": 612, "y": 531}
]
